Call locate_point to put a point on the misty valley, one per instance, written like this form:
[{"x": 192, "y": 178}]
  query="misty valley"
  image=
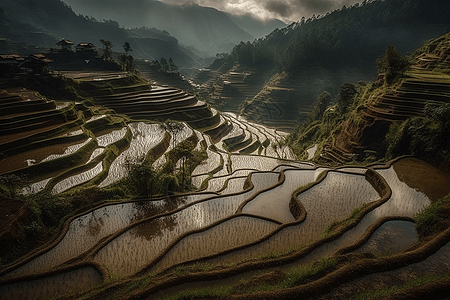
[{"x": 220, "y": 150}]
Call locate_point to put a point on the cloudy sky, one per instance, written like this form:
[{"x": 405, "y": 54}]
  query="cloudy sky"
[{"x": 286, "y": 10}]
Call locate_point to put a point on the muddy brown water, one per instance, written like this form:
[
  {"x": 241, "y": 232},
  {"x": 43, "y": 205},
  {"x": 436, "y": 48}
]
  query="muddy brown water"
[
  {"x": 333, "y": 199},
  {"x": 49, "y": 287},
  {"x": 19, "y": 161},
  {"x": 436, "y": 264},
  {"x": 424, "y": 177},
  {"x": 139, "y": 246},
  {"x": 391, "y": 238},
  {"x": 230, "y": 234},
  {"x": 16, "y": 136},
  {"x": 87, "y": 230},
  {"x": 274, "y": 203}
]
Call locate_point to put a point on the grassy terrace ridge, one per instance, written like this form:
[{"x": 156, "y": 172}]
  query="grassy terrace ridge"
[
  {"x": 366, "y": 122},
  {"x": 148, "y": 207},
  {"x": 314, "y": 279}
]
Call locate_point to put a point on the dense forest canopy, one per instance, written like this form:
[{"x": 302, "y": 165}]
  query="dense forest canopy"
[{"x": 346, "y": 36}]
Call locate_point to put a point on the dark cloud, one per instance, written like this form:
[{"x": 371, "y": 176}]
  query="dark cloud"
[
  {"x": 280, "y": 8},
  {"x": 315, "y": 6},
  {"x": 286, "y": 10}
]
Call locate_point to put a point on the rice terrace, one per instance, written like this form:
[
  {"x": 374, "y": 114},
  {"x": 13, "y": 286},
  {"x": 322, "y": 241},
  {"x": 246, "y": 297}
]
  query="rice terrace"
[{"x": 122, "y": 179}]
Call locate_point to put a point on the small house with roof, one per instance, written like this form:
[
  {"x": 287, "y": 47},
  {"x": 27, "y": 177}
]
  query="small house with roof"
[
  {"x": 36, "y": 63},
  {"x": 86, "y": 48},
  {"x": 65, "y": 44},
  {"x": 10, "y": 63}
]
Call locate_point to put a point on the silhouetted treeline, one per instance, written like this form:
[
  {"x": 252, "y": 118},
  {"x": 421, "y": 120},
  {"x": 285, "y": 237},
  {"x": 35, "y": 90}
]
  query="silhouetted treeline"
[
  {"x": 355, "y": 34},
  {"x": 44, "y": 22}
]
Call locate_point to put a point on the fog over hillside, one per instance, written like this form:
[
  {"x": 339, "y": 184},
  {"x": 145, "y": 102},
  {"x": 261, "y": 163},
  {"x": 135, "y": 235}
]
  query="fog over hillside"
[
  {"x": 44, "y": 22},
  {"x": 286, "y": 10},
  {"x": 204, "y": 28}
]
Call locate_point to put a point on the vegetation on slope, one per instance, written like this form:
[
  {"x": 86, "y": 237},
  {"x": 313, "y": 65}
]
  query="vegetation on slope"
[
  {"x": 344, "y": 37},
  {"x": 413, "y": 126},
  {"x": 322, "y": 53},
  {"x": 53, "y": 20},
  {"x": 44, "y": 213}
]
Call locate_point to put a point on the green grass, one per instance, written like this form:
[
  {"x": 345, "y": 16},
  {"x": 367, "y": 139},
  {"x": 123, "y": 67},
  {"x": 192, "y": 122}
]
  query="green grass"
[
  {"x": 350, "y": 220},
  {"x": 221, "y": 291},
  {"x": 305, "y": 273},
  {"x": 194, "y": 268},
  {"x": 329, "y": 230},
  {"x": 372, "y": 294},
  {"x": 309, "y": 185},
  {"x": 294, "y": 276},
  {"x": 427, "y": 219},
  {"x": 275, "y": 254}
]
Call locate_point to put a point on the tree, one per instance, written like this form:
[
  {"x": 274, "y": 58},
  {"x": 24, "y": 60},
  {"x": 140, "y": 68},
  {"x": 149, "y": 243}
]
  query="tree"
[
  {"x": 127, "y": 48},
  {"x": 322, "y": 102},
  {"x": 107, "y": 46},
  {"x": 184, "y": 152},
  {"x": 172, "y": 66},
  {"x": 142, "y": 177},
  {"x": 345, "y": 96},
  {"x": 174, "y": 128},
  {"x": 14, "y": 185},
  {"x": 157, "y": 65},
  {"x": 392, "y": 64},
  {"x": 127, "y": 60},
  {"x": 164, "y": 64},
  {"x": 123, "y": 58}
]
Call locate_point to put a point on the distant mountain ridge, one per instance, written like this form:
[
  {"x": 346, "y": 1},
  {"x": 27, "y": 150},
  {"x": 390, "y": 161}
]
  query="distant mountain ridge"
[
  {"x": 207, "y": 29},
  {"x": 43, "y": 22},
  {"x": 320, "y": 54},
  {"x": 257, "y": 28}
]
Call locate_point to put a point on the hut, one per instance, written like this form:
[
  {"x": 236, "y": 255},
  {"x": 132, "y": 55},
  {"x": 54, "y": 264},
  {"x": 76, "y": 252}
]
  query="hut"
[{"x": 65, "y": 44}]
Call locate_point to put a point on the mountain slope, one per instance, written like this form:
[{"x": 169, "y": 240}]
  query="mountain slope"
[
  {"x": 204, "y": 28},
  {"x": 387, "y": 120},
  {"x": 50, "y": 20},
  {"x": 256, "y": 27},
  {"x": 322, "y": 54}
]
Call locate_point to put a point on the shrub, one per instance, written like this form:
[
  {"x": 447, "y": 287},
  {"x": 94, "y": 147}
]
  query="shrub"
[
  {"x": 392, "y": 64},
  {"x": 427, "y": 219},
  {"x": 32, "y": 231},
  {"x": 53, "y": 210},
  {"x": 142, "y": 179},
  {"x": 305, "y": 273}
]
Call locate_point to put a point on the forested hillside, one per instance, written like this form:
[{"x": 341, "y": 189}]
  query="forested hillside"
[
  {"x": 205, "y": 29},
  {"x": 44, "y": 22},
  {"x": 405, "y": 112},
  {"x": 323, "y": 52},
  {"x": 347, "y": 36}
]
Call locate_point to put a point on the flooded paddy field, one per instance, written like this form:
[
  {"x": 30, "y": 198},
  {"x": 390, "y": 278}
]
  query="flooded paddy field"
[
  {"x": 250, "y": 205},
  {"x": 52, "y": 286},
  {"x": 145, "y": 137}
]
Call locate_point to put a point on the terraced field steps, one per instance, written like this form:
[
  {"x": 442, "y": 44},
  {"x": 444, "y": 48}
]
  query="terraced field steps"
[{"x": 251, "y": 205}]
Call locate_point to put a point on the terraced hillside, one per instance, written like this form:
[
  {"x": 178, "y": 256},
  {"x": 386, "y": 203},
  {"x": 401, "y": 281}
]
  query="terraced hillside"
[
  {"x": 162, "y": 78},
  {"x": 250, "y": 223},
  {"x": 228, "y": 90},
  {"x": 274, "y": 99},
  {"x": 253, "y": 209},
  {"x": 425, "y": 84}
]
